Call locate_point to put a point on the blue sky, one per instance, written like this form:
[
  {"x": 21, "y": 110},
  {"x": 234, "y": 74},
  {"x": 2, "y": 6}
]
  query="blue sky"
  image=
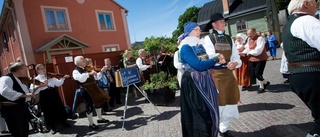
[{"x": 157, "y": 18}]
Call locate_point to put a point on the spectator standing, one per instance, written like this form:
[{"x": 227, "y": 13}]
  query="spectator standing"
[{"x": 301, "y": 45}]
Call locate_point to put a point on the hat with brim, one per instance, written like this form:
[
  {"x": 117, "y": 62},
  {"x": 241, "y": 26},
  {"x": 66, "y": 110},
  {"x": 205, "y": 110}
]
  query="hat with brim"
[{"x": 213, "y": 18}]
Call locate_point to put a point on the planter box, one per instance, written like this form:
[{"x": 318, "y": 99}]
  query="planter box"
[{"x": 161, "y": 97}]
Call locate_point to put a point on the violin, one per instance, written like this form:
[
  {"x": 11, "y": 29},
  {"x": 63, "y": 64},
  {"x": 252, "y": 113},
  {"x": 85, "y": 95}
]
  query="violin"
[
  {"x": 54, "y": 75},
  {"x": 88, "y": 68},
  {"x": 27, "y": 80}
]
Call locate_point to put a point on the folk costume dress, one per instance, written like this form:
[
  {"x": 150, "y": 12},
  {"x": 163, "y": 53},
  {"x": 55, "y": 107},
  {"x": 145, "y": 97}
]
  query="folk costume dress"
[
  {"x": 50, "y": 101},
  {"x": 229, "y": 95},
  {"x": 199, "y": 104},
  {"x": 243, "y": 72}
]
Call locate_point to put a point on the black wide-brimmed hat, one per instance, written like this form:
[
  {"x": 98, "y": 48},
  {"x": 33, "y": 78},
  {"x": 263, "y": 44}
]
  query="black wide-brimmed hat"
[{"x": 213, "y": 18}]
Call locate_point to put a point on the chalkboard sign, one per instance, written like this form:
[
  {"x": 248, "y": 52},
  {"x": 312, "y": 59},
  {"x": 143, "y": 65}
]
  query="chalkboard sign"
[{"x": 129, "y": 76}]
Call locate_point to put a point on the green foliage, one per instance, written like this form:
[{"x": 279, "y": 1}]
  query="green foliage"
[
  {"x": 159, "y": 80},
  {"x": 153, "y": 44},
  {"x": 191, "y": 14}
]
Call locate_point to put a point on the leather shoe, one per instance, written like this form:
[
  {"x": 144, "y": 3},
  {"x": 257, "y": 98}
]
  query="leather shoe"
[
  {"x": 261, "y": 90},
  {"x": 266, "y": 85},
  {"x": 103, "y": 120},
  {"x": 226, "y": 134},
  {"x": 93, "y": 126}
]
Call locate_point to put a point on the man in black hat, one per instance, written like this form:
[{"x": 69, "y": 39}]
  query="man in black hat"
[{"x": 217, "y": 43}]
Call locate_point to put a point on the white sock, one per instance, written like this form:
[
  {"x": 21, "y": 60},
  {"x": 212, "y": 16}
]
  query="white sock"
[
  {"x": 98, "y": 110},
  {"x": 261, "y": 84},
  {"x": 89, "y": 116}
]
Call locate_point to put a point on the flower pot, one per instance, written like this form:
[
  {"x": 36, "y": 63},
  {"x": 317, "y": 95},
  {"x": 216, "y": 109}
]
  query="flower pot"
[{"x": 161, "y": 97}]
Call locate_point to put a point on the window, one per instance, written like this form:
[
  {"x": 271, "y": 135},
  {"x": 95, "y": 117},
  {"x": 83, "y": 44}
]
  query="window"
[
  {"x": 5, "y": 41},
  {"x": 241, "y": 25},
  {"x": 105, "y": 20},
  {"x": 110, "y": 48},
  {"x": 55, "y": 18}
]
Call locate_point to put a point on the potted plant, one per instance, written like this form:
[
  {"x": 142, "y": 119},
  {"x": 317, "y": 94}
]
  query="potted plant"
[{"x": 161, "y": 89}]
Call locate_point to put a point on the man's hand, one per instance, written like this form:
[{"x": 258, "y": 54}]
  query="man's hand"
[
  {"x": 232, "y": 65},
  {"x": 103, "y": 69},
  {"x": 222, "y": 60},
  {"x": 93, "y": 73},
  {"x": 66, "y": 76}
]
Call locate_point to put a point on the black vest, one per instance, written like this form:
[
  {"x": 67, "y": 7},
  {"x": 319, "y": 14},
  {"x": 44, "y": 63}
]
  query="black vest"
[
  {"x": 16, "y": 86},
  {"x": 297, "y": 50},
  {"x": 81, "y": 70}
]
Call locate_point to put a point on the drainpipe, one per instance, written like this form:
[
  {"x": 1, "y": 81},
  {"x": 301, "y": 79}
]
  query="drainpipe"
[{"x": 23, "y": 55}]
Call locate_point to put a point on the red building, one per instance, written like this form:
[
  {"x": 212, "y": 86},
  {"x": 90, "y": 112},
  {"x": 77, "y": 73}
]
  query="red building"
[{"x": 35, "y": 31}]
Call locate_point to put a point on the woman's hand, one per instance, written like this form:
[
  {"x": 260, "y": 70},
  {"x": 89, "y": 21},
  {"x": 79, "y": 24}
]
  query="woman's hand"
[{"x": 222, "y": 60}]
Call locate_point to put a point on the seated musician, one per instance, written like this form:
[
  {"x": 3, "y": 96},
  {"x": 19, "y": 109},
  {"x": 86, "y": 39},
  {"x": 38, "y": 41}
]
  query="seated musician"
[
  {"x": 13, "y": 98},
  {"x": 114, "y": 92},
  {"x": 164, "y": 60},
  {"x": 83, "y": 78},
  {"x": 141, "y": 63},
  {"x": 50, "y": 101},
  {"x": 128, "y": 62}
]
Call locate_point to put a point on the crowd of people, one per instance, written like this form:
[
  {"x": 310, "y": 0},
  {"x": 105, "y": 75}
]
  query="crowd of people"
[{"x": 210, "y": 69}]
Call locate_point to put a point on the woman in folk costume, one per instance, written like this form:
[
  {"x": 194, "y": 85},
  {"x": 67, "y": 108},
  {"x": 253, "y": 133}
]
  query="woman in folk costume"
[
  {"x": 177, "y": 61},
  {"x": 218, "y": 42},
  {"x": 242, "y": 73},
  {"x": 50, "y": 101},
  {"x": 199, "y": 104}
]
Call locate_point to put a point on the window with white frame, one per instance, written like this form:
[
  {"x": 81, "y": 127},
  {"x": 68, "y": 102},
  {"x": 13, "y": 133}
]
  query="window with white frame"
[
  {"x": 105, "y": 20},
  {"x": 110, "y": 48},
  {"x": 56, "y": 19},
  {"x": 241, "y": 25}
]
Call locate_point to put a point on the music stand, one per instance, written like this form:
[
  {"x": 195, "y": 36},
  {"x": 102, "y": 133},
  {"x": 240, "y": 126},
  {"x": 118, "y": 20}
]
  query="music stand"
[{"x": 128, "y": 77}]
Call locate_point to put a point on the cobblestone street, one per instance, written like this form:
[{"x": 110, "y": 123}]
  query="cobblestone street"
[{"x": 275, "y": 113}]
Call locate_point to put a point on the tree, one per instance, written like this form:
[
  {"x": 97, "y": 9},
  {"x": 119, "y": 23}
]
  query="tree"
[{"x": 191, "y": 14}]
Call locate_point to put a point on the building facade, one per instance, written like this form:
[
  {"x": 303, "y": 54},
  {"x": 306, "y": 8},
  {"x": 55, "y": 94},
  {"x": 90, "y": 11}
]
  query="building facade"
[
  {"x": 244, "y": 14},
  {"x": 34, "y": 32}
]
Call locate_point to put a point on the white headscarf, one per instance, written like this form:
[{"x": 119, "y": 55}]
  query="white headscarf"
[{"x": 242, "y": 36}]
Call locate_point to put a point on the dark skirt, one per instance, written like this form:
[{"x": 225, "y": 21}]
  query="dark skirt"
[
  {"x": 199, "y": 106},
  {"x": 52, "y": 107}
]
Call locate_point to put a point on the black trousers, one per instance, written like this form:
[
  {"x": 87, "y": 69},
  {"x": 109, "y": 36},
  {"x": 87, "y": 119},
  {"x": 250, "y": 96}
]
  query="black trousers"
[
  {"x": 52, "y": 107},
  {"x": 17, "y": 118},
  {"x": 114, "y": 94},
  {"x": 87, "y": 100},
  {"x": 306, "y": 86},
  {"x": 257, "y": 68}
]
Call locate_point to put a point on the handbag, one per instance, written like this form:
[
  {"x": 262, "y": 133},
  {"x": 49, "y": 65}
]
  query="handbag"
[{"x": 103, "y": 82}]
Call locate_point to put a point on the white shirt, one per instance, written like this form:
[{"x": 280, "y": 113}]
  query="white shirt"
[
  {"x": 208, "y": 45},
  {"x": 6, "y": 89},
  {"x": 84, "y": 76},
  {"x": 52, "y": 82},
  {"x": 307, "y": 28},
  {"x": 140, "y": 65},
  {"x": 257, "y": 50}
]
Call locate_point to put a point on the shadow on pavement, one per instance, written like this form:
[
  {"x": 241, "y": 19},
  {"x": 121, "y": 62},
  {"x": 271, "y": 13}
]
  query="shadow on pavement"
[
  {"x": 277, "y": 131},
  {"x": 273, "y": 88},
  {"x": 263, "y": 106}
]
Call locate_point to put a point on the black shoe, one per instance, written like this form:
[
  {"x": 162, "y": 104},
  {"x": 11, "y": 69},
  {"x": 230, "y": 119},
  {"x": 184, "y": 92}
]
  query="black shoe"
[
  {"x": 102, "y": 120},
  {"x": 312, "y": 135},
  {"x": 286, "y": 81},
  {"x": 93, "y": 126},
  {"x": 225, "y": 134},
  {"x": 66, "y": 125},
  {"x": 266, "y": 85},
  {"x": 5, "y": 132},
  {"x": 244, "y": 88},
  {"x": 260, "y": 90},
  {"x": 53, "y": 132}
]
